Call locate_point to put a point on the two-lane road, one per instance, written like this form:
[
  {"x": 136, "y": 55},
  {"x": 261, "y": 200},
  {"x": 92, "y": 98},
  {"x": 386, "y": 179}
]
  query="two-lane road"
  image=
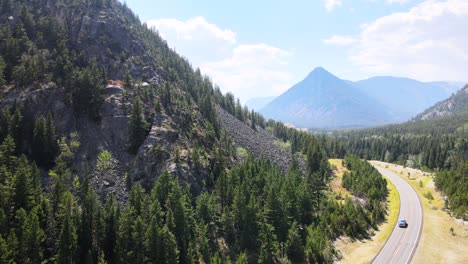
[{"x": 402, "y": 243}]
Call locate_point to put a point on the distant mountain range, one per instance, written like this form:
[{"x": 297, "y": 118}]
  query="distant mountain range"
[
  {"x": 456, "y": 104},
  {"x": 403, "y": 96},
  {"x": 323, "y": 100}
]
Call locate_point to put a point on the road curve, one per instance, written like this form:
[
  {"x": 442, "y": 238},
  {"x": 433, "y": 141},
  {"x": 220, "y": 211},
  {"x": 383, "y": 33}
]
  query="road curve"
[{"x": 402, "y": 243}]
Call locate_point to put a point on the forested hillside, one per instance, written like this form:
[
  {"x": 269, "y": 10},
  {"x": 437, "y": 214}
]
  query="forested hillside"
[
  {"x": 111, "y": 151},
  {"x": 431, "y": 144},
  {"x": 456, "y": 104},
  {"x": 439, "y": 145}
]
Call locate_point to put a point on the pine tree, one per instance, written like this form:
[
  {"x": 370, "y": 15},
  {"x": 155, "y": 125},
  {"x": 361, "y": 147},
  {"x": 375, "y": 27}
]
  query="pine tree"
[
  {"x": 63, "y": 71},
  {"x": 51, "y": 138},
  {"x": 242, "y": 258},
  {"x": 137, "y": 127},
  {"x": 294, "y": 245},
  {"x": 128, "y": 78},
  {"x": 28, "y": 21},
  {"x": 23, "y": 189},
  {"x": 16, "y": 126},
  {"x": 268, "y": 243},
  {"x": 45, "y": 146},
  {"x": 67, "y": 243},
  {"x": 101, "y": 259},
  {"x": 7, "y": 150},
  {"x": 317, "y": 246},
  {"x": 138, "y": 239},
  {"x": 124, "y": 246},
  {"x": 163, "y": 187},
  {"x": 152, "y": 241},
  {"x": 2, "y": 71},
  {"x": 33, "y": 238},
  {"x": 87, "y": 94},
  {"x": 216, "y": 259},
  {"x": 7, "y": 255},
  {"x": 239, "y": 113},
  {"x": 36, "y": 184},
  {"x": 253, "y": 120},
  {"x": 88, "y": 231},
  {"x": 19, "y": 228},
  {"x": 157, "y": 106},
  {"x": 168, "y": 247},
  {"x": 111, "y": 219}
]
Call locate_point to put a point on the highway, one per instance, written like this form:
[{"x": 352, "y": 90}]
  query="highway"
[{"x": 402, "y": 243}]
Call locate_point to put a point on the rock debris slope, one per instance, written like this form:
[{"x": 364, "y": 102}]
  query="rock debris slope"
[{"x": 258, "y": 142}]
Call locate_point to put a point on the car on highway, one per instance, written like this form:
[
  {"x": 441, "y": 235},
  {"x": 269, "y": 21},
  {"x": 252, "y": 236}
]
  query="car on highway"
[{"x": 402, "y": 223}]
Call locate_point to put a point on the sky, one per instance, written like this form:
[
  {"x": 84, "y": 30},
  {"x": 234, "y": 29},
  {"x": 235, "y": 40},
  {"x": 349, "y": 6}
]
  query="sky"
[{"x": 263, "y": 47}]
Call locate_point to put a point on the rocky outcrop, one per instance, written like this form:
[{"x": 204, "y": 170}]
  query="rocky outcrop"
[
  {"x": 456, "y": 104},
  {"x": 258, "y": 142}
]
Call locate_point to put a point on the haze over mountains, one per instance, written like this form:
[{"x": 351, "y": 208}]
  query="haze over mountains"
[
  {"x": 456, "y": 104},
  {"x": 259, "y": 102},
  {"x": 323, "y": 100},
  {"x": 403, "y": 96}
]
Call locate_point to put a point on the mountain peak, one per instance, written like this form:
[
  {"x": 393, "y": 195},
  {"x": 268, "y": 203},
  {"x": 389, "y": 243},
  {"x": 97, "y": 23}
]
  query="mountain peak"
[
  {"x": 324, "y": 100},
  {"x": 320, "y": 72}
]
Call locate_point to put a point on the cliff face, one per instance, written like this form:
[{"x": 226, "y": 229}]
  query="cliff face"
[
  {"x": 156, "y": 154},
  {"x": 141, "y": 65},
  {"x": 110, "y": 33},
  {"x": 96, "y": 59}
]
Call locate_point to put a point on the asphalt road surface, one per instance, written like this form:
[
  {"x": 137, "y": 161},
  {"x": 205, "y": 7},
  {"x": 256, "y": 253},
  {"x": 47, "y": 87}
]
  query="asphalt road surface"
[{"x": 402, "y": 243}]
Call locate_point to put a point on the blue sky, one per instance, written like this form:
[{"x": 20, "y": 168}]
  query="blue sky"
[{"x": 261, "y": 48}]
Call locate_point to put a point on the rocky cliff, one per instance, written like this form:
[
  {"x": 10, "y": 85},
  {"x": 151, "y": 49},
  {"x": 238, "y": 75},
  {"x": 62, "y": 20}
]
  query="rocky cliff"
[
  {"x": 456, "y": 104},
  {"x": 71, "y": 37}
]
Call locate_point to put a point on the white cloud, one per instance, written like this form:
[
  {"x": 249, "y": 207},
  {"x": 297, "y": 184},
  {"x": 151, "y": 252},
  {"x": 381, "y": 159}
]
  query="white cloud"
[
  {"x": 340, "y": 40},
  {"x": 330, "y": 4},
  {"x": 397, "y": 1},
  {"x": 246, "y": 70},
  {"x": 190, "y": 28},
  {"x": 428, "y": 42},
  {"x": 252, "y": 71},
  {"x": 196, "y": 38}
]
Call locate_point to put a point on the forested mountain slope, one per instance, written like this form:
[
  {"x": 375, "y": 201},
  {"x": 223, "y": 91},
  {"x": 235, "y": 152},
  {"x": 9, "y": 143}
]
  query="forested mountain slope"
[
  {"x": 439, "y": 144},
  {"x": 111, "y": 151},
  {"x": 92, "y": 66},
  {"x": 456, "y": 104}
]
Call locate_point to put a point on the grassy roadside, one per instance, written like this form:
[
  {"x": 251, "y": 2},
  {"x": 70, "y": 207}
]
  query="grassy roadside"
[
  {"x": 363, "y": 251},
  {"x": 443, "y": 239}
]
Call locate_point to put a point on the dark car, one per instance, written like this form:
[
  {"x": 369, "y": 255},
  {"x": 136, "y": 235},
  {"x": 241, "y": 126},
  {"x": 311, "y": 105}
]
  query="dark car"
[{"x": 402, "y": 223}]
